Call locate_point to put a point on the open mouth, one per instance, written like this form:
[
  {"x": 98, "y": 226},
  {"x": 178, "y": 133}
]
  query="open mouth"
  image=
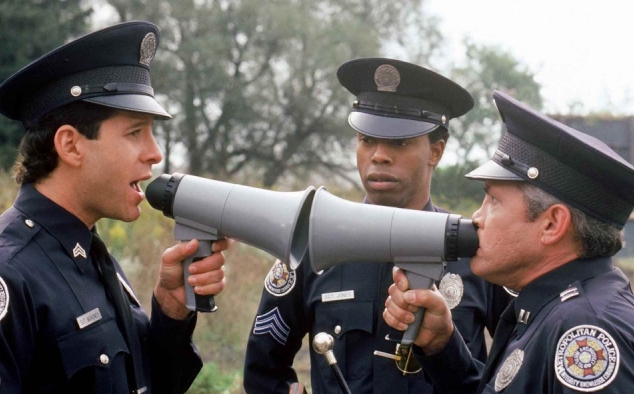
[{"x": 135, "y": 185}]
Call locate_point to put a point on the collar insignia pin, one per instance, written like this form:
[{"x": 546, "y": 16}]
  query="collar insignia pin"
[{"x": 79, "y": 251}]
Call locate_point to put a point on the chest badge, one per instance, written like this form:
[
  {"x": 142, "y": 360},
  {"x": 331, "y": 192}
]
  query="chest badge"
[
  {"x": 88, "y": 318},
  {"x": 79, "y": 251},
  {"x": 452, "y": 289},
  {"x": 509, "y": 369},
  {"x": 587, "y": 358},
  {"x": 4, "y": 298},
  {"x": 280, "y": 280}
]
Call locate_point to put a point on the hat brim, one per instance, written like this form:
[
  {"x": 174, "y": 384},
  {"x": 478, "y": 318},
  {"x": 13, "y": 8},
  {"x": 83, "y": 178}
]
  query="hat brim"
[
  {"x": 387, "y": 127},
  {"x": 132, "y": 102},
  {"x": 492, "y": 171}
]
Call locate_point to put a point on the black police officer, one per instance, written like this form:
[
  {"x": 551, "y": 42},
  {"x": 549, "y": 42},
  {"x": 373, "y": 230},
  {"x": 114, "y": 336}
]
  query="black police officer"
[
  {"x": 69, "y": 320},
  {"x": 401, "y": 117},
  {"x": 556, "y": 202}
]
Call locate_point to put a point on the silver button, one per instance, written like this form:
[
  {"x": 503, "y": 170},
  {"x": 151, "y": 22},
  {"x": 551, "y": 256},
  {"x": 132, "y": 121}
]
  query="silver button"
[
  {"x": 532, "y": 172},
  {"x": 337, "y": 329},
  {"x": 104, "y": 359},
  {"x": 75, "y": 91},
  {"x": 29, "y": 222}
]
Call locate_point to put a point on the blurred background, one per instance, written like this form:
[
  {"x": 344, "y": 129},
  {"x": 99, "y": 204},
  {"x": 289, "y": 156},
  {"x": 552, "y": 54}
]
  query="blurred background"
[{"x": 252, "y": 86}]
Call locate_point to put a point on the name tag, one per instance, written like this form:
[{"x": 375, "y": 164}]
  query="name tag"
[
  {"x": 88, "y": 318},
  {"x": 338, "y": 296}
]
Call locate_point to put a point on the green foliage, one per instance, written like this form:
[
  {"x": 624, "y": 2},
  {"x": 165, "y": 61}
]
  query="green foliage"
[
  {"x": 211, "y": 380},
  {"x": 487, "y": 69},
  {"x": 455, "y": 193},
  {"x": 29, "y": 29},
  {"x": 254, "y": 87}
]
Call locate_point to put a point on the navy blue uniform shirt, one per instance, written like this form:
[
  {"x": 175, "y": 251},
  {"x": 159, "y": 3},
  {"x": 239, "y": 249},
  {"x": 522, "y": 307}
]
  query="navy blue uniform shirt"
[
  {"x": 347, "y": 301},
  {"x": 571, "y": 331},
  {"x": 58, "y": 331}
]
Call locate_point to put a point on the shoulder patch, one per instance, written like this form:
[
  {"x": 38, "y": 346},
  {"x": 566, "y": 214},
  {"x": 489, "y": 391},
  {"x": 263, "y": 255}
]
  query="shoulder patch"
[
  {"x": 273, "y": 324},
  {"x": 587, "y": 358},
  {"x": 280, "y": 280},
  {"x": 452, "y": 289},
  {"x": 4, "y": 298},
  {"x": 509, "y": 369}
]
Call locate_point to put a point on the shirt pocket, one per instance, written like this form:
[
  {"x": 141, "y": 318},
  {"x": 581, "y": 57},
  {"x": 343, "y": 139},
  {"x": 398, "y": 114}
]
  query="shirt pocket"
[
  {"x": 94, "y": 347},
  {"x": 351, "y": 325}
]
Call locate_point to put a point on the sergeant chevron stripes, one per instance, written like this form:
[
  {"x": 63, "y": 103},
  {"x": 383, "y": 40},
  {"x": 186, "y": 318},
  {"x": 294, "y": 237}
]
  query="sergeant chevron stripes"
[{"x": 272, "y": 323}]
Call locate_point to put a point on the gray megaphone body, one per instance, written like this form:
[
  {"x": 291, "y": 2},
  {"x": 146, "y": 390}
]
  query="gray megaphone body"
[
  {"x": 208, "y": 210},
  {"x": 418, "y": 242}
]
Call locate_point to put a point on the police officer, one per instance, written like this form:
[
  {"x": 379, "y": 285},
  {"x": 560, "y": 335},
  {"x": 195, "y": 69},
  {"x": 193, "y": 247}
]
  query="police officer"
[
  {"x": 69, "y": 320},
  {"x": 556, "y": 202},
  {"x": 401, "y": 117}
]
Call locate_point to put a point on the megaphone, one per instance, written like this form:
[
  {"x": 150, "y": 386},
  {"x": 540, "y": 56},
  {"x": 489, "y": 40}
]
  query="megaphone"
[
  {"x": 208, "y": 210},
  {"x": 418, "y": 242}
]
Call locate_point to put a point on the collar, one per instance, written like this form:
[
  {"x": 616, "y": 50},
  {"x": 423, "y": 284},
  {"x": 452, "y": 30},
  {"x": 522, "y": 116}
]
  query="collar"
[
  {"x": 71, "y": 232},
  {"x": 537, "y": 294},
  {"x": 429, "y": 207}
]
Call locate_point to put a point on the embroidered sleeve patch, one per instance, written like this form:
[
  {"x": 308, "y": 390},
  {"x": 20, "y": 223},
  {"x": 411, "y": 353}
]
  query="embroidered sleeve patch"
[
  {"x": 280, "y": 280},
  {"x": 272, "y": 323},
  {"x": 4, "y": 298},
  {"x": 587, "y": 358}
]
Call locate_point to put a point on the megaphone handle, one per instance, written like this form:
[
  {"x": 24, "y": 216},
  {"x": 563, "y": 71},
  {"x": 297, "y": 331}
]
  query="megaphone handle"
[
  {"x": 196, "y": 302},
  {"x": 416, "y": 282}
]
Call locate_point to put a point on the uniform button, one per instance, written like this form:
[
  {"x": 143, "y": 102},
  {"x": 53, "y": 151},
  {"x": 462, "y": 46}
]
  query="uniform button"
[
  {"x": 29, "y": 222},
  {"x": 337, "y": 329},
  {"x": 104, "y": 359}
]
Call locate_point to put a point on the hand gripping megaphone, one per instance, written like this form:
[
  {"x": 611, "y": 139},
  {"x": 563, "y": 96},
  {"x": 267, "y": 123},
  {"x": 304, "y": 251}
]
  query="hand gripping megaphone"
[
  {"x": 418, "y": 242},
  {"x": 208, "y": 210}
]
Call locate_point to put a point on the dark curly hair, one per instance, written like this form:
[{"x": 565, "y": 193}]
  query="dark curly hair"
[{"x": 37, "y": 156}]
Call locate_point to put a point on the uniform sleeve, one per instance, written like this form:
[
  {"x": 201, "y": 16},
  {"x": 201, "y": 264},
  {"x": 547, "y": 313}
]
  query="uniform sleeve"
[
  {"x": 18, "y": 323},
  {"x": 173, "y": 357},
  {"x": 453, "y": 369},
  {"x": 277, "y": 333}
]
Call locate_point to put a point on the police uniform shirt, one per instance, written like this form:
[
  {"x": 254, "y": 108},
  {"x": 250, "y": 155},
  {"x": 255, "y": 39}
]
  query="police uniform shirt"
[
  {"x": 346, "y": 301},
  {"x": 58, "y": 331},
  {"x": 572, "y": 334}
]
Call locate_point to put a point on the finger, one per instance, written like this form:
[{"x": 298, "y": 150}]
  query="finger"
[
  {"x": 393, "y": 321},
  {"x": 177, "y": 253},
  {"x": 398, "y": 312},
  {"x": 400, "y": 279},
  {"x": 211, "y": 288},
  {"x": 206, "y": 277},
  {"x": 209, "y": 263},
  {"x": 221, "y": 244}
]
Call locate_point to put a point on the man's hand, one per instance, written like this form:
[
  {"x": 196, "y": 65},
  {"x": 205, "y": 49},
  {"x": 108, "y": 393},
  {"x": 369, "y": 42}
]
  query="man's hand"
[
  {"x": 436, "y": 328},
  {"x": 207, "y": 276}
]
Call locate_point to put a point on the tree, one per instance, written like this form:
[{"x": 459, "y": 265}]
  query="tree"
[
  {"x": 476, "y": 134},
  {"x": 254, "y": 87},
  {"x": 29, "y": 29}
]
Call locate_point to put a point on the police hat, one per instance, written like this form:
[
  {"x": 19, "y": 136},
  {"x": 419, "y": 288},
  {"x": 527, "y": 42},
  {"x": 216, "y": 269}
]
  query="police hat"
[
  {"x": 109, "y": 67},
  {"x": 574, "y": 167},
  {"x": 396, "y": 99}
]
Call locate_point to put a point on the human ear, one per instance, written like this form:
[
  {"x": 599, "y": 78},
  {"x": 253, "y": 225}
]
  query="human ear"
[
  {"x": 556, "y": 223},
  {"x": 436, "y": 149},
  {"x": 68, "y": 143}
]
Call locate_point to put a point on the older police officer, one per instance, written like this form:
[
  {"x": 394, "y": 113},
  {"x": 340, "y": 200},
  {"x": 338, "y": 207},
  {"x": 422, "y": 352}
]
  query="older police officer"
[
  {"x": 401, "y": 116},
  {"x": 69, "y": 320},
  {"x": 556, "y": 202}
]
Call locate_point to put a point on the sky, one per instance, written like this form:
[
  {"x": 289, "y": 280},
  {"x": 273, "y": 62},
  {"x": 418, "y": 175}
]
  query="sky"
[{"x": 581, "y": 51}]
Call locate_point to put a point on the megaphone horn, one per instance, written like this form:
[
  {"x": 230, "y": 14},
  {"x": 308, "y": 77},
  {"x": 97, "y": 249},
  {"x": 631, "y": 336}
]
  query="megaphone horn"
[
  {"x": 276, "y": 222},
  {"x": 342, "y": 231}
]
